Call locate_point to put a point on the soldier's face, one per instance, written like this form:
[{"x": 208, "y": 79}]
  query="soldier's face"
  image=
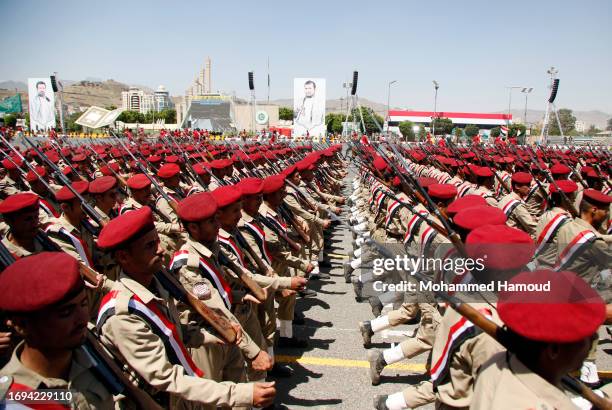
[
  {"x": 58, "y": 327},
  {"x": 24, "y": 224},
  {"x": 107, "y": 200},
  {"x": 208, "y": 229},
  {"x": 143, "y": 255},
  {"x": 230, "y": 215},
  {"x": 143, "y": 196},
  {"x": 251, "y": 203}
]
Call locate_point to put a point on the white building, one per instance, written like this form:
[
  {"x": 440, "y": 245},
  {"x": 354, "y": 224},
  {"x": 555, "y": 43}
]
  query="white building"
[
  {"x": 136, "y": 99},
  {"x": 581, "y": 126}
]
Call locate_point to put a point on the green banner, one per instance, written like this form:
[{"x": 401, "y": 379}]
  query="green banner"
[{"x": 11, "y": 104}]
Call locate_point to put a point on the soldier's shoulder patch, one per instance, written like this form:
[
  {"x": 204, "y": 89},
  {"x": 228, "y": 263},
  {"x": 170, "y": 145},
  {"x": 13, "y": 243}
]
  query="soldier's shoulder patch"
[{"x": 5, "y": 384}]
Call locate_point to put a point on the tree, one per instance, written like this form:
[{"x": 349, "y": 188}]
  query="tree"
[
  {"x": 495, "y": 132},
  {"x": 567, "y": 119},
  {"x": 471, "y": 131},
  {"x": 458, "y": 133},
  {"x": 334, "y": 122},
  {"x": 516, "y": 130},
  {"x": 10, "y": 120},
  {"x": 407, "y": 130},
  {"x": 71, "y": 125},
  {"x": 131, "y": 117},
  {"x": 442, "y": 125},
  {"x": 370, "y": 118},
  {"x": 593, "y": 130},
  {"x": 609, "y": 126},
  {"x": 422, "y": 134},
  {"x": 285, "y": 113}
]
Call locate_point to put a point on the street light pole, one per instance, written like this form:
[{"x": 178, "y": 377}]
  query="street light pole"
[
  {"x": 388, "y": 103},
  {"x": 526, "y": 91},
  {"x": 433, "y": 122}
]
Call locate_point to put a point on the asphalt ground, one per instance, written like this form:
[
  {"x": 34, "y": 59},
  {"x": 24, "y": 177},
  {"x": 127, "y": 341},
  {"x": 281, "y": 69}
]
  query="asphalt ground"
[{"x": 332, "y": 372}]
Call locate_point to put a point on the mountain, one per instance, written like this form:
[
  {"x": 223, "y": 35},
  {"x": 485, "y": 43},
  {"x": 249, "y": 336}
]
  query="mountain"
[{"x": 12, "y": 85}]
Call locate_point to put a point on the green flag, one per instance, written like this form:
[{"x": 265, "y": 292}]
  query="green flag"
[{"x": 11, "y": 104}]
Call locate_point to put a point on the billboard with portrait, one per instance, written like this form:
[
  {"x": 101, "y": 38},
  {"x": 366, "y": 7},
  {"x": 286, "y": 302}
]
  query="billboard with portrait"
[
  {"x": 309, "y": 107},
  {"x": 41, "y": 104}
]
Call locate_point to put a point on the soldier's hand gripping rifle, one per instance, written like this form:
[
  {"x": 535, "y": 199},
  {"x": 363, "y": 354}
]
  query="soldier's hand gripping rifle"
[{"x": 244, "y": 277}]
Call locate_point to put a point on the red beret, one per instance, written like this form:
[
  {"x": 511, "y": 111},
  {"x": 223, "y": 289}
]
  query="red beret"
[
  {"x": 559, "y": 169},
  {"x": 8, "y": 164},
  {"x": 427, "y": 181},
  {"x": 251, "y": 186},
  {"x": 200, "y": 168},
  {"x": 483, "y": 171},
  {"x": 79, "y": 158},
  {"x": 566, "y": 185},
  {"x": 218, "y": 164},
  {"x": 172, "y": 159},
  {"x": 379, "y": 163},
  {"x": 125, "y": 228},
  {"x": 500, "y": 246},
  {"x": 38, "y": 281},
  {"x": 290, "y": 170},
  {"x": 18, "y": 202},
  {"x": 31, "y": 176},
  {"x": 442, "y": 191},
  {"x": 521, "y": 178},
  {"x": 567, "y": 312},
  {"x": 65, "y": 194},
  {"x": 197, "y": 207},
  {"x": 475, "y": 216},
  {"x": 273, "y": 183},
  {"x": 465, "y": 202},
  {"x": 154, "y": 158},
  {"x": 303, "y": 165},
  {"x": 102, "y": 184},
  {"x": 396, "y": 181},
  {"x": 138, "y": 181},
  {"x": 168, "y": 170},
  {"x": 593, "y": 195},
  {"x": 226, "y": 195}
]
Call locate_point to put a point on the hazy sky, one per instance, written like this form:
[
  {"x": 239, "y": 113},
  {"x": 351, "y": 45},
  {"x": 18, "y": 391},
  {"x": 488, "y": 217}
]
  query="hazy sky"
[{"x": 472, "y": 48}]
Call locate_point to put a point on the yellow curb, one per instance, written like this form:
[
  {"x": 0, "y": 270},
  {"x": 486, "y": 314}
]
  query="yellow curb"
[{"x": 333, "y": 362}]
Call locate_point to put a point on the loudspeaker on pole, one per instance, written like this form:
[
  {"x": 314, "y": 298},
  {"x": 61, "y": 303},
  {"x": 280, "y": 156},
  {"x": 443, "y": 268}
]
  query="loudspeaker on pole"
[
  {"x": 354, "y": 89},
  {"x": 53, "y": 84},
  {"x": 553, "y": 91},
  {"x": 251, "y": 82}
]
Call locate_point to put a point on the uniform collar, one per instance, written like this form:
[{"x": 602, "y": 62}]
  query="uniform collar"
[
  {"x": 224, "y": 234},
  {"x": 199, "y": 248},
  {"x": 80, "y": 364},
  {"x": 265, "y": 210},
  {"x": 540, "y": 387},
  {"x": 245, "y": 218},
  {"x": 142, "y": 292}
]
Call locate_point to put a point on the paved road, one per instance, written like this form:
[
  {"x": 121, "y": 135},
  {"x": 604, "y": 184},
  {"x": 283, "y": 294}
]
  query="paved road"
[{"x": 333, "y": 371}]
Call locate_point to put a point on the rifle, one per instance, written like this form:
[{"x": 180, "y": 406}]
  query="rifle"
[
  {"x": 564, "y": 198},
  {"x": 173, "y": 204},
  {"x": 59, "y": 151},
  {"x": 89, "y": 210},
  {"x": 264, "y": 221},
  {"x": 242, "y": 274},
  {"x": 490, "y": 327}
]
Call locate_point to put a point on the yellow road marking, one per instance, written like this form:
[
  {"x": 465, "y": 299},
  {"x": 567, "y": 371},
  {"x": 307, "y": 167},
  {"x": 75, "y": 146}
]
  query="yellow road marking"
[
  {"x": 337, "y": 256},
  {"x": 333, "y": 362}
]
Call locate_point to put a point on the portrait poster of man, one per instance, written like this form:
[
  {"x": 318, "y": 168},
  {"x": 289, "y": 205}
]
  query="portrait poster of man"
[
  {"x": 309, "y": 107},
  {"x": 41, "y": 104}
]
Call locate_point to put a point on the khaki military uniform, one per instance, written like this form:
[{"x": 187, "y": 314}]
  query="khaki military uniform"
[
  {"x": 220, "y": 362},
  {"x": 546, "y": 234},
  {"x": 517, "y": 213},
  {"x": 454, "y": 368},
  {"x": 486, "y": 193},
  {"x": 130, "y": 337},
  {"x": 87, "y": 389},
  {"x": 536, "y": 199},
  {"x": 505, "y": 383}
]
